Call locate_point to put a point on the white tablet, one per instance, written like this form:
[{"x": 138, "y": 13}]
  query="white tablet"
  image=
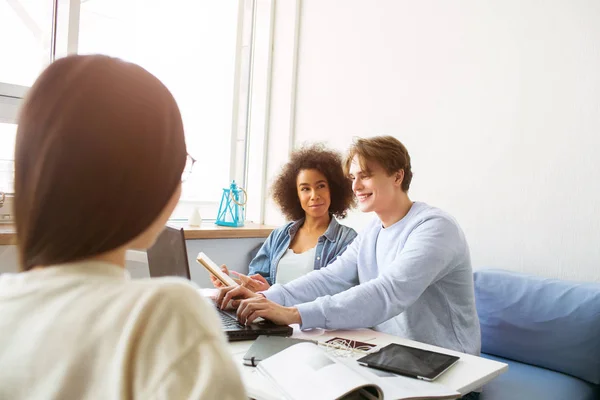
[{"x": 214, "y": 269}]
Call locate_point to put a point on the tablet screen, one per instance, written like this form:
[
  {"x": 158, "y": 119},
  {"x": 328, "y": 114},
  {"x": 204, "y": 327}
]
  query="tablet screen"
[{"x": 409, "y": 361}]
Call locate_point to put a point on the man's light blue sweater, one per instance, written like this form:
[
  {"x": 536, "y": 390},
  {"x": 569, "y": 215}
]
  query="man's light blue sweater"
[{"x": 412, "y": 279}]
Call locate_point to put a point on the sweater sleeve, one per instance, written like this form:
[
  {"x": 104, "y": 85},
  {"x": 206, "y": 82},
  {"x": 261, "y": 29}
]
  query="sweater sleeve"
[
  {"x": 426, "y": 256},
  {"x": 340, "y": 275}
]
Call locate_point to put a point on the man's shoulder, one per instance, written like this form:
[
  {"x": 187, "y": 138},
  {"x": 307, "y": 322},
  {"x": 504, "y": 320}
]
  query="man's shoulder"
[
  {"x": 439, "y": 226},
  {"x": 371, "y": 227},
  {"x": 424, "y": 213}
]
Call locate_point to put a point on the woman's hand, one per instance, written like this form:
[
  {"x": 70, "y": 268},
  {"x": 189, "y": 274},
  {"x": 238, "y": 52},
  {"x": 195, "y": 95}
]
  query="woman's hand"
[
  {"x": 217, "y": 283},
  {"x": 258, "y": 306},
  {"x": 256, "y": 282}
]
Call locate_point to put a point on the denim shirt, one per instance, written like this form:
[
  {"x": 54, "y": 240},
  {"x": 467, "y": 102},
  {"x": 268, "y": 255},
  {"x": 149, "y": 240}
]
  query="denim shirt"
[{"x": 329, "y": 245}]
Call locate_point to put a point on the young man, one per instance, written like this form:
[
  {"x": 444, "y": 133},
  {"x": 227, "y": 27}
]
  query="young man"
[{"x": 408, "y": 273}]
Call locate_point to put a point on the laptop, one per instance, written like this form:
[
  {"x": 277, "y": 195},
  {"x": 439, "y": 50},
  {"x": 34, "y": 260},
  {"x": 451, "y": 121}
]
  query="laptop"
[{"x": 168, "y": 257}]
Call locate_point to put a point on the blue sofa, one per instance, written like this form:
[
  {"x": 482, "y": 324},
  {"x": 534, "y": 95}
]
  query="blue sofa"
[{"x": 546, "y": 330}]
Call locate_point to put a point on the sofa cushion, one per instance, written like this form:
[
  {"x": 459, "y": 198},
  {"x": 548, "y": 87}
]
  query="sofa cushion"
[
  {"x": 545, "y": 322},
  {"x": 527, "y": 382}
]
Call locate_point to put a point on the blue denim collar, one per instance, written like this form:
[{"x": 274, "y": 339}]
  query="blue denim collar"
[{"x": 330, "y": 234}]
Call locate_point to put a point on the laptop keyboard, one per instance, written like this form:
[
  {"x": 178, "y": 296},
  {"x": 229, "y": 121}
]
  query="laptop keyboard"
[{"x": 228, "y": 322}]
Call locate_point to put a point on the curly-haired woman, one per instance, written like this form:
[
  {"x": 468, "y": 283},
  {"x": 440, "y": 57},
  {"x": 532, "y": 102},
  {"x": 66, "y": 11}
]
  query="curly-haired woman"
[{"x": 311, "y": 191}]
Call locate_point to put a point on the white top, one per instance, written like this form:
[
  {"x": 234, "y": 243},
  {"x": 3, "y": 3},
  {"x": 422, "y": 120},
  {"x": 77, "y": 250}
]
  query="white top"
[
  {"x": 86, "y": 331},
  {"x": 292, "y": 265}
]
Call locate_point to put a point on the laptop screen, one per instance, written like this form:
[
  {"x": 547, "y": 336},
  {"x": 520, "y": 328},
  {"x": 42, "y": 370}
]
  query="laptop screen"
[{"x": 168, "y": 256}]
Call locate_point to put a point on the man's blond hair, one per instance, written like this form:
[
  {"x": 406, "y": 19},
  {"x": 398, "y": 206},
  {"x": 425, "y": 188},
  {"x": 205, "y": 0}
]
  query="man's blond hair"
[{"x": 387, "y": 151}]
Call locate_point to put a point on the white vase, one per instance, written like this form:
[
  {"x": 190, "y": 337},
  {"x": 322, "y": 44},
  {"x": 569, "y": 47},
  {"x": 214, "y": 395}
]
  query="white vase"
[{"x": 195, "y": 219}]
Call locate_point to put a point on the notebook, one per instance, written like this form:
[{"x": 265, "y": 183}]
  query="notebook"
[
  {"x": 168, "y": 257},
  {"x": 266, "y": 346}
]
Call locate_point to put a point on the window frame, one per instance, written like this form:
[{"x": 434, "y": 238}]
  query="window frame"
[{"x": 254, "y": 178}]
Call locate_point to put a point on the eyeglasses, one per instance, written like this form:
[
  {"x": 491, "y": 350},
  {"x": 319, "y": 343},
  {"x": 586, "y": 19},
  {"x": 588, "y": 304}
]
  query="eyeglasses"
[{"x": 187, "y": 170}]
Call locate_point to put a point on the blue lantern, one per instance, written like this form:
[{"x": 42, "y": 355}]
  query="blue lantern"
[{"x": 232, "y": 211}]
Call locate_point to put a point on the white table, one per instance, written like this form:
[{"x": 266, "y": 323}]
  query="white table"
[{"x": 468, "y": 374}]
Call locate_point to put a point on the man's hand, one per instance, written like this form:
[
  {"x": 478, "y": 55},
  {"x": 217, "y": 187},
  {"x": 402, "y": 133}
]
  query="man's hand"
[
  {"x": 256, "y": 282},
  {"x": 258, "y": 306},
  {"x": 233, "y": 294}
]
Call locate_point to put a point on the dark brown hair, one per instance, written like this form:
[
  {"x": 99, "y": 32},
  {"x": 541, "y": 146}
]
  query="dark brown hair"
[
  {"x": 329, "y": 163},
  {"x": 99, "y": 153},
  {"x": 387, "y": 151}
]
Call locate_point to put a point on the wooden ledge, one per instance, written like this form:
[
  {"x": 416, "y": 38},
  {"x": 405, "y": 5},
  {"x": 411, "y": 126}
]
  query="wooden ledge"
[{"x": 208, "y": 230}]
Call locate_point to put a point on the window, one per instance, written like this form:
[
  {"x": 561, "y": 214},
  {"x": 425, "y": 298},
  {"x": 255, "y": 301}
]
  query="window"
[
  {"x": 191, "y": 48},
  {"x": 25, "y": 40},
  {"x": 25, "y": 49},
  {"x": 201, "y": 50}
]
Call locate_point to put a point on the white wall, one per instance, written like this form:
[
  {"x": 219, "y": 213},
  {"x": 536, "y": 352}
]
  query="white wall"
[
  {"x": 235, "y": 253},
  {"x": 498, "y": 103}
]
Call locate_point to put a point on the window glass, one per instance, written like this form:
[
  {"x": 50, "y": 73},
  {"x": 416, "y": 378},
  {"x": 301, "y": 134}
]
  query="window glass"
[
  {"x": 26, "y": 30},
  {"x": 191, "y": 47}
]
